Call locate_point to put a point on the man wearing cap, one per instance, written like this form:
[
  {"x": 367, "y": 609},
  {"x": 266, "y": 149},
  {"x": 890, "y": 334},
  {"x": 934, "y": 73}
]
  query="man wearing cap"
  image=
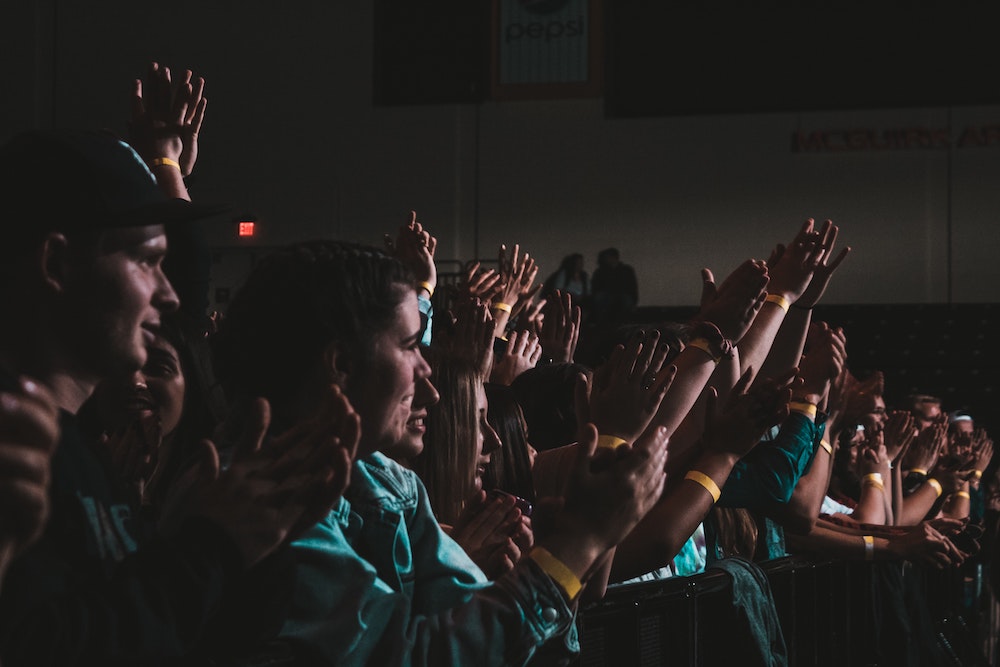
[{"x": 83, "y": 291}]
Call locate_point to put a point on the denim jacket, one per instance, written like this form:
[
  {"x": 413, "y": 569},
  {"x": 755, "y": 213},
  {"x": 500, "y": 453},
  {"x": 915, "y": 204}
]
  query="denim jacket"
[{"x": 379, "y": 582}]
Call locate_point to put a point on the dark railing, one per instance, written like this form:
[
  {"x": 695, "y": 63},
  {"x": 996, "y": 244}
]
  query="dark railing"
[{"x": 830, "y": 615}]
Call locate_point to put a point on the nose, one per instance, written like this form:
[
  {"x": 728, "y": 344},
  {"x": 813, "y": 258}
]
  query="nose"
[
  {"x": 491, "y": 441},
  {"x": 425, "y": 394},
  {"x": 165, "y": 298},
  {"x": 138, "y": 380}
]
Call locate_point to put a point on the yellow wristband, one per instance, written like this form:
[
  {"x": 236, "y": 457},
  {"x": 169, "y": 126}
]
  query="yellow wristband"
[
  {"x": 808, "y": 409},
  {"x": 869, "y": 547},
  {"x": 500, "y": 305},
  {"x": 963, "y": 494},
  {"x": 936, "y": 484},
  {"x": 778, "y": 300},
  {"x": 164, "y": 161},
  {"x": 978, "y": 474},
  {"x": 874, "y": 479},
  {"x": 423, "y": 284},
  {"x": 705, "y": 481},
  {"x": 610, "y": 441},
  {"x": 919, "y": 471},
  {"x": 556, "y": 569},
  {"x": 703, "y": 345},
  {"x": 827, "y": 446}
]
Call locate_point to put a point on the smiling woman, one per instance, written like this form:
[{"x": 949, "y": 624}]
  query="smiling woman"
[
  {"x": 152, "y": 420},
  {"x": 455, "y": 449}
]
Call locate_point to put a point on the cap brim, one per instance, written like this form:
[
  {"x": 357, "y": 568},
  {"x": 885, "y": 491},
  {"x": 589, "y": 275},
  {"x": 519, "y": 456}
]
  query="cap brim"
[{"x": 168, "y": 212}]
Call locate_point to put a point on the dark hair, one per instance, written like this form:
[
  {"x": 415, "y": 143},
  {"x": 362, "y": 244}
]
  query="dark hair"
[
  {"x": 608, "y": 253},
  {"x": 204, "y": 405},
  {"x": 547, "y": 396},
  {"x": 293, "y": 305},
  {"x": 510, "y": 466},
  {"x": 447, "y": 464}
]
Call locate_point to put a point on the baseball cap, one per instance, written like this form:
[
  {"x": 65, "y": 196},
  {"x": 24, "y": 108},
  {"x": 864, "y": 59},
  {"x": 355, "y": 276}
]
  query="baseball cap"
[{"x": 82, "y": 180}]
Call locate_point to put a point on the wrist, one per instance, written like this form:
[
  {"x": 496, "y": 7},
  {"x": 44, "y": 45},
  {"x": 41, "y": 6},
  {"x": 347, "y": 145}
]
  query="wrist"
[{"x": 575, "y": 549}]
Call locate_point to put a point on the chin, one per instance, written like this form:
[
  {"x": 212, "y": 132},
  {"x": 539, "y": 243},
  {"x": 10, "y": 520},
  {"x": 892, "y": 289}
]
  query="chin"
[{"x": 404, "y": 450}]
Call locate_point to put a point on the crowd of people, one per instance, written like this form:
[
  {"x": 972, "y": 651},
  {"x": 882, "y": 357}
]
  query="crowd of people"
[{"x": 351, "y": 466}]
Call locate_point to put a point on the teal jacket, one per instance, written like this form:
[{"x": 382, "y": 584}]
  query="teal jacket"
[{"x": 379, "y": 582}]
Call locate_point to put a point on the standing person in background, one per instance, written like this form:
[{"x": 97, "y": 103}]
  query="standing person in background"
[
  {"x": 569, "y": 277},
  {"x": 614, "y": 287}
]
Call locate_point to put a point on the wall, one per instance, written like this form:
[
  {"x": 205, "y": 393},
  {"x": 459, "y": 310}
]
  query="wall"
[{"x": 292, "y": 137}]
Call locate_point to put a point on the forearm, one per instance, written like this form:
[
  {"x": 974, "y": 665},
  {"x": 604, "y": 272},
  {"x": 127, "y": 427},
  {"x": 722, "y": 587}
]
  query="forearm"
[
  {"x": 917, "y": 504},
  {"x": 825, "y": 542},
  {"x": 958, "y": 504},
  {"x": 788, "y": 343},
  {"x": 655, "y": 541},
  {"x": 871, "y": 506},
  {"x": 756, "y": 343},
  {"x": 689, "y": 431},
  {"x": 694, "y": 368},
  {"x": 800, "y": 513}
]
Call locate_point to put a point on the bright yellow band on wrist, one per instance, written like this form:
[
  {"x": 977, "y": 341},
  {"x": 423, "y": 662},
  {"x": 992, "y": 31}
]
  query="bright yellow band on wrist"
[
  {"x": 808, "y": 409},
  {"x": 919, "y": 471},
  {"x": 978, "y": 474},
  {"x": 778, "y": 300},
  {"x": 610, "y": 441},
  {"x": 869, "y": 547},
  {"x": 705, "y": 481},
  {"x": 556, "y": 569},
  {"x": 423, "y": 284},
  {"x": 164, "y": 161},
  {"x": 874, "y": 479},
  {"x": 936, "y": 484},
  {"x": 500, "y": 305},
  {"x": 703, "y": 345},
  {"x": 963, "y": 494},
  {"x": 827, "y": 446}
]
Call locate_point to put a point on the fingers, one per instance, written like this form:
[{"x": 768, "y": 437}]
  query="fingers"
[
  {"x": 137, "y": 107},
  {"x": 708, "y": 291},
  {"x": 208, "y": 462},
  {"x": 257, "y": 422}
]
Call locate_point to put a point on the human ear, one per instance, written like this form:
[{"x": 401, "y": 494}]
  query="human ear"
[
  {"x": 53, "y": 262},
  {"x": 337, "y": 364}
]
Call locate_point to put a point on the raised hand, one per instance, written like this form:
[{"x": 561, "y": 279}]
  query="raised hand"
[
  {"x": 824, "y": 362},
  {"x": 522, "y": 353},
  {"x": 167, "y": 118},
  {"x": 532, "y": 317},
  {"x": 560, "y": 327},
  {"x": 471, "y": 335},
  {"x": 733, "y": 305},
  {"x": 740, "y": 424},
  {"x": 983, "y": 447},
  {"x": 795, "y": 264},
  {"x": 926, "y": 447},
  {"x": 627, "y": 390},
  {"x": 607, "y": 500},
  {"x": 478, "y": 283},
  {"x": 824, "y": 269},
  {"x": 29, "y": 431},
  {"x": 414, "y": 246},
  {"x": 900, "y": 430},
  {"x": 517, "y": 276},
  {"x": 275, "y": 488},
  {"x": 493, "y": 532},
  {"x": 135, "y": 452}
]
